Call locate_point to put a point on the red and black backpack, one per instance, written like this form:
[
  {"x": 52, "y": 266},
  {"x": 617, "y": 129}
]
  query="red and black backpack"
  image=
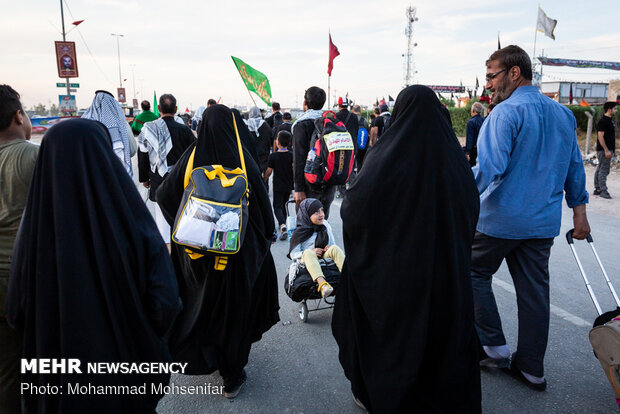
[{"x": 331, "y": 156}]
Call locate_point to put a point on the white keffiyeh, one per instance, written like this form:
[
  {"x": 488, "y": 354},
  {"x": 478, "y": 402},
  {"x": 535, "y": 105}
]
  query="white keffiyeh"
[
  {"x": 309, "y": 114},
  {"x": 108, "y": 111},
  {"x": 254, "y": 121},
  {"x": 155, "y": 139}
]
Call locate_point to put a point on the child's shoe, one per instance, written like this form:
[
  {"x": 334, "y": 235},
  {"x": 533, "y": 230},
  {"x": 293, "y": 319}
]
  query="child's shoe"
[
  {"x": 284, "y": 234},
  {"x": 326, "y": 289}
]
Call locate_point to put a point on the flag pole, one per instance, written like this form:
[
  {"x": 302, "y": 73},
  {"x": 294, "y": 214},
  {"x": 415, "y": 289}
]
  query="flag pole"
[
  {"x": 251, "y": 97},
  {"x": 535, "y": 34},
  {"x": 328, "y": 91}
]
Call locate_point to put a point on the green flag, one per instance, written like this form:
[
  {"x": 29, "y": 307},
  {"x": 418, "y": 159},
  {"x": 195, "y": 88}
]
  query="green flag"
[
  {"x": 254, "y": 80},
  {"x": 155, "y": 109}
]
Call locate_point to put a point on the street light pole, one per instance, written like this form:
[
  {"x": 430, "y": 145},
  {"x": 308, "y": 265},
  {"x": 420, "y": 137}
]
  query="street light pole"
[
  {"x": 118, "y": 48},
  {"x": 64, "y": 39},
  {"x": 133, "y": 78}
]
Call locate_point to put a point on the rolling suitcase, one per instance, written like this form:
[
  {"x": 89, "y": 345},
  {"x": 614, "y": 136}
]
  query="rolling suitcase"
[
  {"x": 605, "y": 333},
  {"x": 291, "y": 219}
]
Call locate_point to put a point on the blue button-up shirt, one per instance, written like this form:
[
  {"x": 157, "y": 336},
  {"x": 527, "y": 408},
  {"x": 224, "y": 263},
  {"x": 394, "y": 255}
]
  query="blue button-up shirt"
[{"x": 527, "y": 157}]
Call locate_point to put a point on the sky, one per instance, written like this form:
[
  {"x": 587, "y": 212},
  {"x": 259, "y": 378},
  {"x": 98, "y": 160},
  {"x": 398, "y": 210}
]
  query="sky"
[{"x": 184, "y": 48}]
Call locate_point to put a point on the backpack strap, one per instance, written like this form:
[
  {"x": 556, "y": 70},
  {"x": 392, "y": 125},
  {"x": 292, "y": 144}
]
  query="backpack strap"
[
  {"x": 240, "y": 147},
  {"x": 220, "y": 261},
  {"x": 190, "y": 161},
  {"x": 189, "y": 168},
  {"x": 347, "y": 118}
]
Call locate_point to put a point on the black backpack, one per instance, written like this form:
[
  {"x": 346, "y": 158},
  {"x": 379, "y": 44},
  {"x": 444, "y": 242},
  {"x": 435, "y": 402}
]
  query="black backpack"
[
  {"x": 331, "y": 156},
  {"x": 386, "y": 122}
]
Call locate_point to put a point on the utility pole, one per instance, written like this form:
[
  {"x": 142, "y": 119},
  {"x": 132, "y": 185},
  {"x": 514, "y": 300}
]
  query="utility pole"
[
  {"x": 133, "y": 78},
  {"x": 64, "y": 39},
  {"x": 118, "y": 48},
  {"x": 409, "y": 62}
]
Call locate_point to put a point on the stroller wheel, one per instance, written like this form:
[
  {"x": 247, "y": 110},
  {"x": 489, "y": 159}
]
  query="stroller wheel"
[{"x": 303, "y": 311}]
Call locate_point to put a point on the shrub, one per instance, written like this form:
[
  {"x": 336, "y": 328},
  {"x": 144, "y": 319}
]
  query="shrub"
[{"x": 460, "y": 116}]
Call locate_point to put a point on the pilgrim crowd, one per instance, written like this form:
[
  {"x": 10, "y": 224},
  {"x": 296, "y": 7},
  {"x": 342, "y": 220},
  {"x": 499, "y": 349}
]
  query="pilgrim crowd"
[{"x": 87, "y": 272}]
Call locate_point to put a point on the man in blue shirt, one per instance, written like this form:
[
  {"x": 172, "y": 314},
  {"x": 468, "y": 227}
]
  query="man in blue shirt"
[
  {"x": 527, "y": 158},
  {"x": 473, "y": 129}
]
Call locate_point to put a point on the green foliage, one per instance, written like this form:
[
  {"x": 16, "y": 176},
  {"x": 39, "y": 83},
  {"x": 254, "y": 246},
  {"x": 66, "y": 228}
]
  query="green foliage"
[
  {"x": 54, "y": 111},
  {"x": 582, "y": 119},
  {"x": 459, "y": 117},
  {"x": 40, "y": 109},
  {"x": 447, "y": 102}
]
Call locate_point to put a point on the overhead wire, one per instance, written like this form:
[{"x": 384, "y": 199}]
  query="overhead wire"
[{"x": 87, "y": 48}]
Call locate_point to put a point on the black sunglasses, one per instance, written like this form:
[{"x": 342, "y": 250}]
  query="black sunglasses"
[{"x": 491, "y": 76}]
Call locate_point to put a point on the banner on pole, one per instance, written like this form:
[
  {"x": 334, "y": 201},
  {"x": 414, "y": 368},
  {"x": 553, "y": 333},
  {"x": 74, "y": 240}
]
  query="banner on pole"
[
  {"x": 575, "y": 63},
  {"x": 66, "y": 104},
  {"x": 443, "y": 88},
  {"x": 121, "y": 95},
  {"x": 66, "y": 60},
  {"x": 254, "y": 80}
]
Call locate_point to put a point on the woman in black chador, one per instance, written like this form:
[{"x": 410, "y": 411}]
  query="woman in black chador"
[
  {"x": 223, "y": 311},
  {"x": 404, "y": 318},
  {"x": 91, "y": 277}
]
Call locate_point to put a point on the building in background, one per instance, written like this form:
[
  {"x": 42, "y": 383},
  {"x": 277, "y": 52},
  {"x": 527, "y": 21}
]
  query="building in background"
[{"x": 592, "y": 93}]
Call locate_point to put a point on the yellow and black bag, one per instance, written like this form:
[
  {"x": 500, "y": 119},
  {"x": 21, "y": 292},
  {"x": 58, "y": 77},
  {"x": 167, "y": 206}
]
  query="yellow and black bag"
[{"x": 213, "y": 213}]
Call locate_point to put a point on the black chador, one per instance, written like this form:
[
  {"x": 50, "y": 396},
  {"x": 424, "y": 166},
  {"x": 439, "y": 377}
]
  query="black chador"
[
  {"x": 404, "y": 319},
  {"x": 223, "y": 311},
  {"x": 91, "y": 277}
]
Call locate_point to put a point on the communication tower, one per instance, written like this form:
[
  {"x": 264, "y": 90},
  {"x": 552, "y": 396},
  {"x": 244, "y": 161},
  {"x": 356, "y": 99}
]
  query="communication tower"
[{"x": 409, "y": 62}]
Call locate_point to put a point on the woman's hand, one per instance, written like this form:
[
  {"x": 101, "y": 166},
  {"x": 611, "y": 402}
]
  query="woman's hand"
[{"x": 318, "y": 251}]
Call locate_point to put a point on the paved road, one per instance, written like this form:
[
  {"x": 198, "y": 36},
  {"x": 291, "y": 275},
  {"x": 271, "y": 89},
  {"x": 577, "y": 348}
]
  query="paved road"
[{"x": 295, "y": 368}]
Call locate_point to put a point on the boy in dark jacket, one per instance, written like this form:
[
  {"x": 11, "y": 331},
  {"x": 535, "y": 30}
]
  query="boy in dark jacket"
[
  {"x": 302, "y": 129},
  {"x": 281, "y": 163}
]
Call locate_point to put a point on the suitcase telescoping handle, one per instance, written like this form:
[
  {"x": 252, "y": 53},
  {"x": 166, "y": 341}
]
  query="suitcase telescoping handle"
[
  {"x": 289, "y": 202},
  {"x": 571, "y": 243}
]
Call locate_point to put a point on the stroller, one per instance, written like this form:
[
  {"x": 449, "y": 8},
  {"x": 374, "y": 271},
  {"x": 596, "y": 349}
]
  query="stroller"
[{"x": 298, "y": 283}]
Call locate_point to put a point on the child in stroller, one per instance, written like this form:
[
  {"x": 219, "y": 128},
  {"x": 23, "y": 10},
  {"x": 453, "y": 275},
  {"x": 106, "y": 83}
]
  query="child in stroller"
[{"x": 313, "y": 239}]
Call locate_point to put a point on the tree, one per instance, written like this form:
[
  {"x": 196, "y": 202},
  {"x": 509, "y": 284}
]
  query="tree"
[
  {"x": 447, "y": 102},
  {"x": 54, "y": 111},
  {"x": 40, "y": 109}
]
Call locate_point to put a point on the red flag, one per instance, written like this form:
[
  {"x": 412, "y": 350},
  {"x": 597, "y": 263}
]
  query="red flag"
[
  {"x": 570, "y": 95},
  {"x": 333, "y": 52},
  {"x": 75, "y": 23}
]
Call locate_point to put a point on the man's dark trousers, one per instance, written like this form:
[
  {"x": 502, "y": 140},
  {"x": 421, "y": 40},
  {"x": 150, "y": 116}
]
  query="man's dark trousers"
[
  {"x": 279, "y": 205},
  {"x": 602, "y": 171},
  {"x": 324, "y": 195},
  {"x": 472, "y": 156},
  {"x": 528, "y": 263}
]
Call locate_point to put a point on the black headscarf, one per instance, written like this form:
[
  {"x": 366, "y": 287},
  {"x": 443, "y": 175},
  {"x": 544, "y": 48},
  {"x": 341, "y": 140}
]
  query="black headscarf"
[
  {"x": 224, "y": 311},
  {"x": 404, "y": 318},
  {"x": 306, "y": 228},
  {"x": 247, "y": 139},
  {"x": 91, "y": 277}
]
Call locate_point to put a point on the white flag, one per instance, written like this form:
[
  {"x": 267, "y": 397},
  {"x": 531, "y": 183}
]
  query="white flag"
[{"x": 544, "y": 24}]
